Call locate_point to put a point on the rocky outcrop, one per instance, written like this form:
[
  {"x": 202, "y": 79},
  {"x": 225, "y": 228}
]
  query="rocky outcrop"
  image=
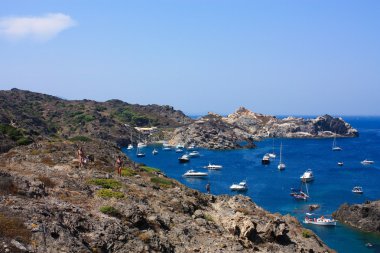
[
  {"x": 212, "y": 132},
  {"x": 243, "y": 126},
  {"x": 49, "y": 204},
  {"x": 365, "y": 217}
]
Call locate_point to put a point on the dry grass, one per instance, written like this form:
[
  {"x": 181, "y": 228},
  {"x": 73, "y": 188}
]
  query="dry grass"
[
  {"x": 145, "y": 236},
  {"x": 14, "y": 228},
  {"x": 48, "y": 161},
  {"x": 47, "y": 181}
]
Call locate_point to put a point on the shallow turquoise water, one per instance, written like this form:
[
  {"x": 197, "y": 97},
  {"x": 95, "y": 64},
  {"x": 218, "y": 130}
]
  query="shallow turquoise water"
[{"x": 270, "y": 188}]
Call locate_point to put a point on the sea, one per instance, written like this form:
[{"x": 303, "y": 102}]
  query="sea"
[{"x": 270, "y": 188}]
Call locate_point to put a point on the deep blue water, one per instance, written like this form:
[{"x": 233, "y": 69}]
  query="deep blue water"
[{"x": 270, "y": 188}]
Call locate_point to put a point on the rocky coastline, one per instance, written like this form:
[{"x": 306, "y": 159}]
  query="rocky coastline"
[{"x": 365, "y": 217}]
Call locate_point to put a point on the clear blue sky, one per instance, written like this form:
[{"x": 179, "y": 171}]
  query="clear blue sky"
[{"x": 274, "y": 57}]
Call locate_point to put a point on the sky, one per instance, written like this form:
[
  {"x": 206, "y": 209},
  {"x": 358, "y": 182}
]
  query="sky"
[{"x": 284, "y": 57}]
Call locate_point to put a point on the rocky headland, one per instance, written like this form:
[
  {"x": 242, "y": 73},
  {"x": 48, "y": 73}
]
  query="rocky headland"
[
  {"x": 242, "y": 127},
  {"x": 365, "y": 217},
  {"x": 48, "y": 203}
]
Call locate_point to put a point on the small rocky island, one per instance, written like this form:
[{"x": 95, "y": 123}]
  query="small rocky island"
[
  {"x": 365, "y": 217},
  {"x": 242, "y": 127}
]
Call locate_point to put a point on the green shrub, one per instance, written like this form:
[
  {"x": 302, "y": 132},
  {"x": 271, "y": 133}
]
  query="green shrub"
[
  {"x": 128, "y": 172},
  {"x": 149, "y": 169},
  {"x": 163, "y": 182},
  {"x": 108, "y": 193},
  {"x": 306, "y": 233},
  {"x": 110, "y": 210},
  {"x": 208, "y": 217},
  {"x": 106, "y": 183},
  {"x": 80, "y": 138},
  {"x": 24, "y": 141}
]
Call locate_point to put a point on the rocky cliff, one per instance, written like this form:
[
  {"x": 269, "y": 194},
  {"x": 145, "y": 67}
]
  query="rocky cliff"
[
  {"x": 365, "y": 217},
  {"x": 49, "y": 204},
  {"x": 243, "y": 126},
  {"x": 28, "y": 116}
]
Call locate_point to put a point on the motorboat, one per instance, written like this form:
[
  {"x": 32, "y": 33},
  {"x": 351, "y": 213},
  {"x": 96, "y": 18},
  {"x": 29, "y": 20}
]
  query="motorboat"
[
  {"x": 193, "y": 173},
  {"x": 242, "y": 186},
  {"x": 141, "y": 145},
  {"x": 178, "y": 150},
  {"x": 184, "y": 159},
  {"x": 213, "y": 167},
  {"x": 298, "y": 194},
  {"x": 180, "y": 146},
  {"x": 307, "y": 176},
  {"x": 367, "y": 162},
  {"x": 313, "y": 207},
  {"x": 194, "y": 154},
  {"x": 191, "y": 147},
  {"x": 266, "y": 159},
  {"x": 321, "y": 221},
  {"x": 130, "y": 146},
  {"x": 357, "y": 189},
  {"x": 155, "y": 152},
  {"x": 139, "y": 153},
  {"x": 340, "y": 163}
]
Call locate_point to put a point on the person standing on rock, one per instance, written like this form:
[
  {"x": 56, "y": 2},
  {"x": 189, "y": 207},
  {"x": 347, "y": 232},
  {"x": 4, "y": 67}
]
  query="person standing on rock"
[
  {"x": 208, "y": 187},
  {"x": 119, "y": 165},
  {"x": 80, "y": 154}
]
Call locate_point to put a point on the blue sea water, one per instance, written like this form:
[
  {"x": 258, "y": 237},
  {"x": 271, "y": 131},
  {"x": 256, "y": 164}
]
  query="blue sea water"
[{"x": 270, "y": 188}]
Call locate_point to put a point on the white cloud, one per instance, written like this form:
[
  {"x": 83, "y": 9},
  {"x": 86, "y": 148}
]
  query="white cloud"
[{"x": 40, "y": 28}]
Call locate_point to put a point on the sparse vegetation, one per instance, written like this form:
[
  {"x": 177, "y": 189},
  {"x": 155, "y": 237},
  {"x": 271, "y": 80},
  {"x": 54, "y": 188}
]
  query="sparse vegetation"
[
  {"x": 208, "y": 217},
  {"x": 109, "y": 193},
  {"x": 47, "y": 181},
  {"x": 80, "y": 138},
  {"x": 15, "y": 134},
  {"x": 106, "y": 183},
  {"x": 163, "y": 182},
  {"x": 47, "y": 161},
  {"x": 110, "y": 210},
  {"x": 149, "y": 169},
  {"x": 14, "y": 228},
  {"x": 306, "y": 233},
  {"x": 128, "y": 172}
]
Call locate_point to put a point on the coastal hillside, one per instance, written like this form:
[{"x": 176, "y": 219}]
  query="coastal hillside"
[
  {"x": 48, "y": 203},
  {"x": 28, "y": 116},
  {"x": 240, "y": 128}
]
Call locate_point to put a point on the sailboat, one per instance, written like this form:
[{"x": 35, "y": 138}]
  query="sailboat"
[
  {"x": 281, "y": 165},
  {"x": 334, "y": 146},
  {"x": 273, "y": 154},
  {"x": 130, "y": 146},
  {"x": 139, "y": 153},
  {"x": 298, "y": 194}
]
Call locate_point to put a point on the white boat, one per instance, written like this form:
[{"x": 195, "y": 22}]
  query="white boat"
[
  {"x": 266, "y": 159},
  {"x": 307, "y": 176},
  {"x": 194, "y": 153},
  {"x": 281, "y": 165},
  {"x": 340, "y": 163},
  {"x": 273, "y": 154},
  {"x": 193, "y": 173},
  {"x": 357, "y": 189},
  {"x": 367, "y": 162},
  {"x": 213, "y": 167},
  {"x": 184, "y": 159},
  {"x": 242, "y": 186},
  {"x": 321, "y": 221},
  {"x": 178, "y": 150},
  {"x": 141, "y": 145},
  {"x": 130, "y": 146},
  {"x": 139, "y": 153},
  {"x": 166, "y": 147},
  {"x": 334, "y": 146},
  {"x": 191, "y": 147},
  {"x": 155, "y": 152},
  {"x": 180, "y": 146}
]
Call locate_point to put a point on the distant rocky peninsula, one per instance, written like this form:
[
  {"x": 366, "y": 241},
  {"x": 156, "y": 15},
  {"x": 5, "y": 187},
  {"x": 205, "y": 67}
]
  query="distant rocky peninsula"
[
  {"x": 243, "y": 127},
  {"x": 365, "y": 217}
]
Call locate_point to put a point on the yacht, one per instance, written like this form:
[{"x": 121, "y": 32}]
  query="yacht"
[
  {"x": 191, "y": 147},
  {"x": 321, "y": 221},
  {"x": 307, "y": 176},
  {"x": 266, "y": 159},
  {"x": 130, "y": 146},
  {"x": 141, "y": 145},
  {"x": 180, "y": 146},
  {"x": 166, "y": 147},
  {"x": 194, "y": 154},
  {"x": 357, "y": 189},
  {"x": 213, "y": 167},
  {"x": 178, "y": 150},
  {"x": 155, "y": 152},
  {"x": 242, "y": 186},
  {"x": 184, "y": 159},
  {"x": 367, "y": 162},
  {"x": 193, "y": 173}
]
